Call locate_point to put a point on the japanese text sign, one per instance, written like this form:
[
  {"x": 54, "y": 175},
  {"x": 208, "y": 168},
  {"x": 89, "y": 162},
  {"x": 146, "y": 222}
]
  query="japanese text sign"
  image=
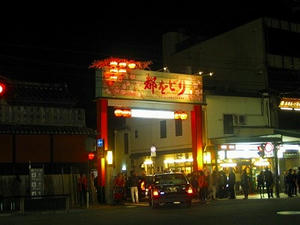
[{"x": 149, "y": 85}]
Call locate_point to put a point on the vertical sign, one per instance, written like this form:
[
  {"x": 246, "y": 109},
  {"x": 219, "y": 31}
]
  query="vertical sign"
[{"x": 36, "y": 176}]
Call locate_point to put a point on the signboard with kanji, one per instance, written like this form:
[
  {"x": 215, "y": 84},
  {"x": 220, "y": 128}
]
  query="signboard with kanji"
[{"x": 149, "y": 85}]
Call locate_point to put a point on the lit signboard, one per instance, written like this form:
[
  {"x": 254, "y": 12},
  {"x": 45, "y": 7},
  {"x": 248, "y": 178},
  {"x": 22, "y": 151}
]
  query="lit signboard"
[
  {"x": 148, "y": 85},
  {"x": 289, "y": 104}
]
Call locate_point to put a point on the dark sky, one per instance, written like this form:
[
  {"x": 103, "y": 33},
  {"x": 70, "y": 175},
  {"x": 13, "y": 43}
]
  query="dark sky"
[{"x": 58, "y": 42}]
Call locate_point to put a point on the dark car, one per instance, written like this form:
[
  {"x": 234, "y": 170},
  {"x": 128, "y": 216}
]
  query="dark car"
[{"x": 170, "y": 188}]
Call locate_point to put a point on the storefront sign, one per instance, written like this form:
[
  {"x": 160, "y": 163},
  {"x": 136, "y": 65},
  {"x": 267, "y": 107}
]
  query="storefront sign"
[
  {"x": 149, "y": 85},
  {"x": 290, "y": 103}
]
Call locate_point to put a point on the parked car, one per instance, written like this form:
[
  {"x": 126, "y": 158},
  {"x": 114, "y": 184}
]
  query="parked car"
[{"x": 172, "y": 188}]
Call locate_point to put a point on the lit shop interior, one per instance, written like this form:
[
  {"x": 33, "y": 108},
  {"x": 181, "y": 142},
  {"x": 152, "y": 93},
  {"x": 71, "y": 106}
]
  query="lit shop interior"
[
  {"x": 175, "y": 162},
  {"x": 255, "y": 157}
]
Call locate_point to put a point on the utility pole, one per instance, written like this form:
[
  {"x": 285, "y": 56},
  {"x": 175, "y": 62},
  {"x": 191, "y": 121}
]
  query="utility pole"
[{"x": 276, "y": 170}]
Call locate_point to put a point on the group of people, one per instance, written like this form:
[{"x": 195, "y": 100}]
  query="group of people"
[
  {"x": 121, "y": 183},
  {"x": 265, "y": 180},
  {"x": 226, "y": 183},
  {"x": 217, "y": 184},
  {"x": 291, "y": 181}
]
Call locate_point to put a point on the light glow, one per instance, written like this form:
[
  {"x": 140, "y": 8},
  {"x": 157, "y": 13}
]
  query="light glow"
[
  {"x": 131, "y": 65},
  {"x": 109, "y": 157},
  {"x": 148, "y": 162},
  {"x": 171, "y": 161},
  {"x": 2, "y": 88},
  {"x": 152, "y": 114},
  {"x": 113, "y": 63},
  {"x": 207, "y": 157},
  {"x": 261, "y": 162},
  {"x": 238, "y": 154},
  {"x": 284, "y": 108},
  {"x": 228, "y": 164}
]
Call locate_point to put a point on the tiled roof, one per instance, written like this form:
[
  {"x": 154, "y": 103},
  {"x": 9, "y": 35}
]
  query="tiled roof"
[
  {"x": 19, "y": 92},
  {"x": 62, "y": 130}
]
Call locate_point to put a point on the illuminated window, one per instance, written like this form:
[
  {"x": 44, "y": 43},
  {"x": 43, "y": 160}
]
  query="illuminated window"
[
  {"x": 178, "y": 127},
  {"x": 163, "y": 129}
]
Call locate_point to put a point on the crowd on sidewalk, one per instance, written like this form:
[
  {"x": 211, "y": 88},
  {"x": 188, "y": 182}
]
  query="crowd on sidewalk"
[
  {"x": 226, "y": 183},
  {"x": 218, "y": 184}
]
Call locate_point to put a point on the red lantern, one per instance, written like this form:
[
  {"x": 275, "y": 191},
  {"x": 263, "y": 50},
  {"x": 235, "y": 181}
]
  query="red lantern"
[{"x": 91, "y": 155}]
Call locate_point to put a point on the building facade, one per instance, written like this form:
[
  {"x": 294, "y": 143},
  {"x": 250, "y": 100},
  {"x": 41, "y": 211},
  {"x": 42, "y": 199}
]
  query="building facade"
[
  {"x": 40, "y": 126},
  {"x": 259, "y": 59}
]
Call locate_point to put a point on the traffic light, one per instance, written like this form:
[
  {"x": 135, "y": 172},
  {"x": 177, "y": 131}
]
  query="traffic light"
[{"x": 92, "y": 160}]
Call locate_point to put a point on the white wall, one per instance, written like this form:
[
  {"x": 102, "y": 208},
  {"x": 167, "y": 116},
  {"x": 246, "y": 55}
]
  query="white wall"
[
  {"x": 149, "y": 134},
  {"x": 217, "y": 106}
]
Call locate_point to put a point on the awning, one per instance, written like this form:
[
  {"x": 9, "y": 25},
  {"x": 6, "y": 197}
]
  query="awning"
[{"x": 275, "y": 135}]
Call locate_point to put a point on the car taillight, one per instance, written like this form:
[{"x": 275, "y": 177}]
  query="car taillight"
[
  {"x": 189, "y": 190},
  {"x": 155, "y": 193}
]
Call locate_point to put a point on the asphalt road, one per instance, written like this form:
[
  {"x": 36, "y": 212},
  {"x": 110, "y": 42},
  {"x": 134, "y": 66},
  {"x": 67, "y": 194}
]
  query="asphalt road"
[{"x": 241, "y": 212}]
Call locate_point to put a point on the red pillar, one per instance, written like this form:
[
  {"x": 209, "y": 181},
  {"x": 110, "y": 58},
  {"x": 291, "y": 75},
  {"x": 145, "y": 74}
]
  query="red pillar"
[
  {"x": 102, "y": 133},
  {"x": 196, "y": 125}
]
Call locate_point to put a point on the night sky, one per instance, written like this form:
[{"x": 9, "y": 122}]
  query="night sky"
[{"x": 55, "y": 43}]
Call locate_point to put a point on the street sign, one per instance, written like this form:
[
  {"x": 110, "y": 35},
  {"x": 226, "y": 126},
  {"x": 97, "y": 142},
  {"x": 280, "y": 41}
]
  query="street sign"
[{"x": 100, "y": 142}]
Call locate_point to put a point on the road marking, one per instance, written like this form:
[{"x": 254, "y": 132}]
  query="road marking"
[{"x": 288, "y": 213}]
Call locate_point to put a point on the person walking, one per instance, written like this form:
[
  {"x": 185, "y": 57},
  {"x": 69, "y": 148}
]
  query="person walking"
[
  {"x": 119, "y": 184},
  {"x": 261, "y": 183},
  {"x": 294, "y": 182},
  {"x": 245, "y": 183},
  {"x": 231, "y": 184},
  {"x": 269, "y": 182},
  {"x": 298, "y": 179},
  {"x": 214, "y": 183},
  {"x": 194, "y": 182},
  {"x": 134, "y": 182}
]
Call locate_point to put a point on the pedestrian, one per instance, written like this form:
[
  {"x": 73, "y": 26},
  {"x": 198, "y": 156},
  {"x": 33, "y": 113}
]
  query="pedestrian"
[
  {"x": 119, "y": 184},
  {"x": 82, "y": 188},
  {"x": 245, "y": 183},
  {"x": 261, "y": 183},
  {"x": 231, "y": 183},
  {"x": 222, "y": 192},
  {"x": 194, "y": 181},
  {"x": 237, "y": 180},
  {"x": 203, "y": 185},
  {"x": 269, "y": 182},
  {"x": 298, "y": 179},
  {"x": 294, "y": 182},
  {"x": 285, "y": 183},
  {"x": 214, "y": 183},
  {"x": 134, "y": 182}
]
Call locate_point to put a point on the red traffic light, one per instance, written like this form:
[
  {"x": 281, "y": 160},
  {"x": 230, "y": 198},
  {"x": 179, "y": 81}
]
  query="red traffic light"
[
  {"x": 91, "y": 156},
  {"x": 2, "y": 88}
]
